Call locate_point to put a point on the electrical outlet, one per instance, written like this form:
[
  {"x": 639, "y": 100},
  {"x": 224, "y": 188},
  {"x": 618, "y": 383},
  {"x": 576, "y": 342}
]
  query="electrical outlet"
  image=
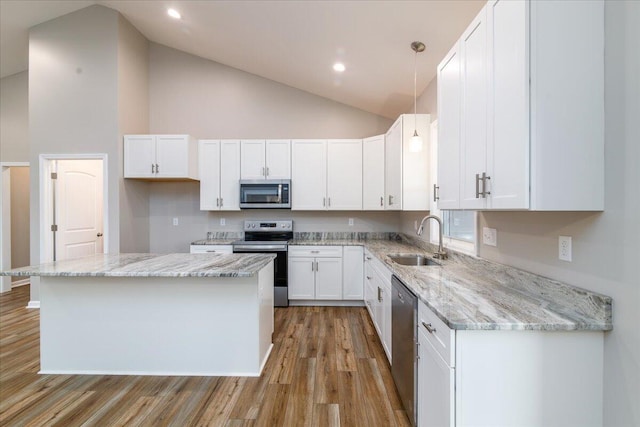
[
  {"x": 350, "y": 222},
  {"x": 223, "y": 221},
  {"x": 415, "y": 225},
  {"x": 175, "y": 221},
  {"x": 489, "y": 236},
  {"x": 564, "y": 248}
]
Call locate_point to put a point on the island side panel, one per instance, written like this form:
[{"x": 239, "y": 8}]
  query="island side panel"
[
  {"x": 529, "y": 378},
  {"x": 266, "y": 315},
  {"x": 150, "y": 326}
]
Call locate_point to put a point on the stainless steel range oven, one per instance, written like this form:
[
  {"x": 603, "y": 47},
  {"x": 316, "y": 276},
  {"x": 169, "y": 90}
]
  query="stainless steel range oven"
[{"x": 272, "y": 237}]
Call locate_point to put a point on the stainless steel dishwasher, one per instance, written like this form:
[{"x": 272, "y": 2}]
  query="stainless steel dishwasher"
[{"x": 404, "y": 338}]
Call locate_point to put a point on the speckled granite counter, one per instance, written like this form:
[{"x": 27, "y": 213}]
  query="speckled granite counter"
[
  {"x": 220, "y": 238},
  {"x": 151, "y": 265},
  {"x": 470, "y": 293}
]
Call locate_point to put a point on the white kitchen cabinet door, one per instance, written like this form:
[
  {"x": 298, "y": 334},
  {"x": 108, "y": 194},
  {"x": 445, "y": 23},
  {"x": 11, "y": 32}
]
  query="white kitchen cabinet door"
[
  {"x": 209, "y": 165},
  {"x": 308, "y": 174},
  {"x": 508, "y": 136},
  {"x": 172, "y": 156},
  {"x": 435, "y": 387},
  {"x": 393, "y": 167},
  {"x": 301, "y": 278},
  {"x": 344, "y": 174},
  {"x": 473, "y": 141},
  {"x": 353, "y": 272},
  {"x": 278, "y": 159},
  {"x": 252, "y": 159},
  {"x": 373, "y": 173},
  {"x": 139, "y": 156},
  {"x": 329, "y": 278},
  {"x": 230, "y": 175}
]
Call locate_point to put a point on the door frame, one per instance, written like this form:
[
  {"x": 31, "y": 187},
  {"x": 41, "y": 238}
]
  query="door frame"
[
  {"x": 5, "y": 221},
  {"x": 46, "y": 203}
]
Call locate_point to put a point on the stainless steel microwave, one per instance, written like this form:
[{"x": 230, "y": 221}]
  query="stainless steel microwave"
[{"x": 265, "y": 194}]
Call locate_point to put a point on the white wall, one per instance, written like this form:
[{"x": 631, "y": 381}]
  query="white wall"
[
  {"x": 14, "y": 118},
  {"x": 606, "y": 245},
  {"x": 210, "y": 100},
  {"x": 19, "y": 217},
  {"x": 181, "y": 200}
]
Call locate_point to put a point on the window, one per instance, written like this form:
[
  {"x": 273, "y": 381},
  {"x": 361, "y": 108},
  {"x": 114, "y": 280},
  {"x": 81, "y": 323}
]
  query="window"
[{"x": 459, "y": 225}]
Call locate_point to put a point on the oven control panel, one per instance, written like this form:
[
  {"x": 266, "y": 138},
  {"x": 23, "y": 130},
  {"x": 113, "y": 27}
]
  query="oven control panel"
[{"x": 261, "y": 225}]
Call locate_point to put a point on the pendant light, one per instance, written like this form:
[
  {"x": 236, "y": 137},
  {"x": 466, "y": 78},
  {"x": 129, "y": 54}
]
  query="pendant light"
[{"x": 415, "y": 144}]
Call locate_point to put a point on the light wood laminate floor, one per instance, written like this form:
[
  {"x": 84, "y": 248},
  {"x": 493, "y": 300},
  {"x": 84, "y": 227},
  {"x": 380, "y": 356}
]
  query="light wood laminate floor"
[{"x": 327, "y": 368}]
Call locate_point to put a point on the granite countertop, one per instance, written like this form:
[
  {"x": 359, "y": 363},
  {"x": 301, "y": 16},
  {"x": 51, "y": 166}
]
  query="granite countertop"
[
  {"x": 471, "y": 293},
  {"x": 151, "y": 265},
  {"x": 227, "y": 241}
]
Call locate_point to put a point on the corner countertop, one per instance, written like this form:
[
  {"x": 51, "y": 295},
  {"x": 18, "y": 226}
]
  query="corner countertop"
[
  {"x": 151, "y": 265},
  {"x": 471, "y": 293}
]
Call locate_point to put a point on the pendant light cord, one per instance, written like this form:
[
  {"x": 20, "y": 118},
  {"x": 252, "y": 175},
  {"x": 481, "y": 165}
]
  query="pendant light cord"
[{"x": 415, "y": 94}]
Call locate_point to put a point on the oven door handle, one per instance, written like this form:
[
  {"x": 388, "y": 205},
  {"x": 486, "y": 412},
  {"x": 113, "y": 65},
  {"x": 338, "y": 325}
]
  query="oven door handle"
[{"x": 259, "y": 248}]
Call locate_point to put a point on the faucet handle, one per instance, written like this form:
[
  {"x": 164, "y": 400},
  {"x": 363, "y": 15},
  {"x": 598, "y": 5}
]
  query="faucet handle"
[{"x": 440, "y": 255}]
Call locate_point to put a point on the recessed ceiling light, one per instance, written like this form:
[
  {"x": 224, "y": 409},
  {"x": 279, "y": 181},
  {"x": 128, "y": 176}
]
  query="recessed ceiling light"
[
  {"x": 339, "y": 67},
  {"x": 174, "y": 13}
]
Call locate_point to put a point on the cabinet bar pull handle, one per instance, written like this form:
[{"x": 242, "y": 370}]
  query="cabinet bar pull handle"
[
  {"x": 390, "y": 200},
  {"x": 485, "y": 193},
  {"x": 315, "y": 252},
  {"x": 221, "y": 201},
  {"x": 218, "y": 201},
  {"x": 369, "y": 277},
  {"x": 435, "y": 193},
  {"x": 267, "y": 170},
  {"x": 263, "y": 172},
  {"x": 329, "y": 202},
  {"x": 381, "y": 200},
  {"x": 369, "y": 258},
  {"x": 430, "y": 328},
  {"x": 379, "y": 294},
  {"x": 152, "y": 168},
  {"x": 324, "y": 202},
  {"x": 157, "y": 168},
  {"x": 477, "y": 186}
]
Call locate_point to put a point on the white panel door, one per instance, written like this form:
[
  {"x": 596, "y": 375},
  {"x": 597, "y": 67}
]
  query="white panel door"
[
  {"x": 508, "y": 67},
  {"x": 230, "y": 175},
  {"x": 301, "y": 278},
  {"x": 329, "y": 278},
  {"x": 449, "y": 121},
  {"x": 78, "y": 206},
  {"x": 435, "y": 387},
  {"x": 172, "y": 156},
  {"x": 278, "y": 159},
  {"x": 252, "y": 159},
  {"x": 139, "y": 156},
  {"x": 373, "y": 173},
  {"x": 353, "y": 273},
  {"x": 308, "y": 174},
  {"x": 473, "y": 141},
  {"x": 344, "y": 174},
  {"x": 209, "y": 165},
  {"x": 393, "y": 167}
]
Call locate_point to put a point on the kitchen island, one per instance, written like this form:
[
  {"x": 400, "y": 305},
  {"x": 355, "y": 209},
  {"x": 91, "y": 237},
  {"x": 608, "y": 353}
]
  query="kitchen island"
[{"x": 148, "y": 314}]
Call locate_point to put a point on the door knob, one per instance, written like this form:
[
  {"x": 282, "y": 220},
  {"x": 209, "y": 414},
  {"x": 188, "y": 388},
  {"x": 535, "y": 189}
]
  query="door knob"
[{"x": 99, "y": 234}]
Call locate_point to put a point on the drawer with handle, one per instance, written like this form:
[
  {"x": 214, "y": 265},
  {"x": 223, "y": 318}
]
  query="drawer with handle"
[
  {"x": 316, "y": 251},
  {"x": 437, "y": 332},
  {"x": 204, "y": 249}
]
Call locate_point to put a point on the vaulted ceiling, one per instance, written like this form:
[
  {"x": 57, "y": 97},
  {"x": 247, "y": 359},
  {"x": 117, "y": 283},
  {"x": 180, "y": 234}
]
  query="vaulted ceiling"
[{"x": 292, "y": 42}]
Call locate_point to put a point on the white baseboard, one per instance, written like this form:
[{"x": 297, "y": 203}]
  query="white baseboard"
[
  {"x": 327, "y": 303},
  {"x": 18, "y": 283},
  {"x": 148, "y": 373},
  {"x": 33, "y": 304}
]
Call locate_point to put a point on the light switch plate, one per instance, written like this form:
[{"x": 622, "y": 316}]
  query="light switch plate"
[
  {"x": 564, "y": 248},
  {"x": 175, "y": 221},
  {"x": 350, "y": 222},
  {"x": 223, "y": 221},
  {"x": 489, "y": 236}
]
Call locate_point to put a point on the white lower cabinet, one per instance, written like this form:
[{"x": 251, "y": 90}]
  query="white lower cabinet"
[
  {"x": 378, "y": 299},
  {"x": 204, "y": 249},
  {"x": 352, "y": 273},
  {"x": 507, "y": 377},
  {"x": 315, "y": 273}
]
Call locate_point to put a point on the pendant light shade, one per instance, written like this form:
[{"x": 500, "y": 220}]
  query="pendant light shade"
[{"x": 415, "y": 144}]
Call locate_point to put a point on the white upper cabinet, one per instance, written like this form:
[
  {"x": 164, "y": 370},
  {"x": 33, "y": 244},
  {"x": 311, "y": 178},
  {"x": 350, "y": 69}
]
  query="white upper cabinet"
[
  {"x": 326, "y": 175},
  {"x": 309, "y": 174},
  {"x": 531, "y": 131},
  {"x": 266, "y": 159},
  {"x": 344, "y": 174},
  {"x": 168, "y": 157},
  {"x": 407, "y": 173},
  {"x": 449, "y": 114},
  {"x": 219, "y": 174},
  {"x": 373, "y": 173}
]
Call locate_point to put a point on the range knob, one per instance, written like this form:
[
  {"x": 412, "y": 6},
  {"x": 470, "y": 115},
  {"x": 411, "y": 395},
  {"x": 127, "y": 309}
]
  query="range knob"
[{"x": 253, "y": 225}]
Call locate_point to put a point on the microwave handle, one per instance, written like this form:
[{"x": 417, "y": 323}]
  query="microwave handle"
[{"x": 280, "y": 193}]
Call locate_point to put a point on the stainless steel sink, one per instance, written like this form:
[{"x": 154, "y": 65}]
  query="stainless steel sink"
[{"x": 413, "y": 260}]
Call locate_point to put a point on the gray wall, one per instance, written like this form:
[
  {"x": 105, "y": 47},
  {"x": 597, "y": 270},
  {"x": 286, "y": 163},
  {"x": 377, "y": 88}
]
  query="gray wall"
[
  {"x": 133, "y": 118},
  {"x": 19, "y": 217},
  {"x": 14, "y": 118},
  {"x": 606, "y": 245},
  {"x": 210, "y": 100}
]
